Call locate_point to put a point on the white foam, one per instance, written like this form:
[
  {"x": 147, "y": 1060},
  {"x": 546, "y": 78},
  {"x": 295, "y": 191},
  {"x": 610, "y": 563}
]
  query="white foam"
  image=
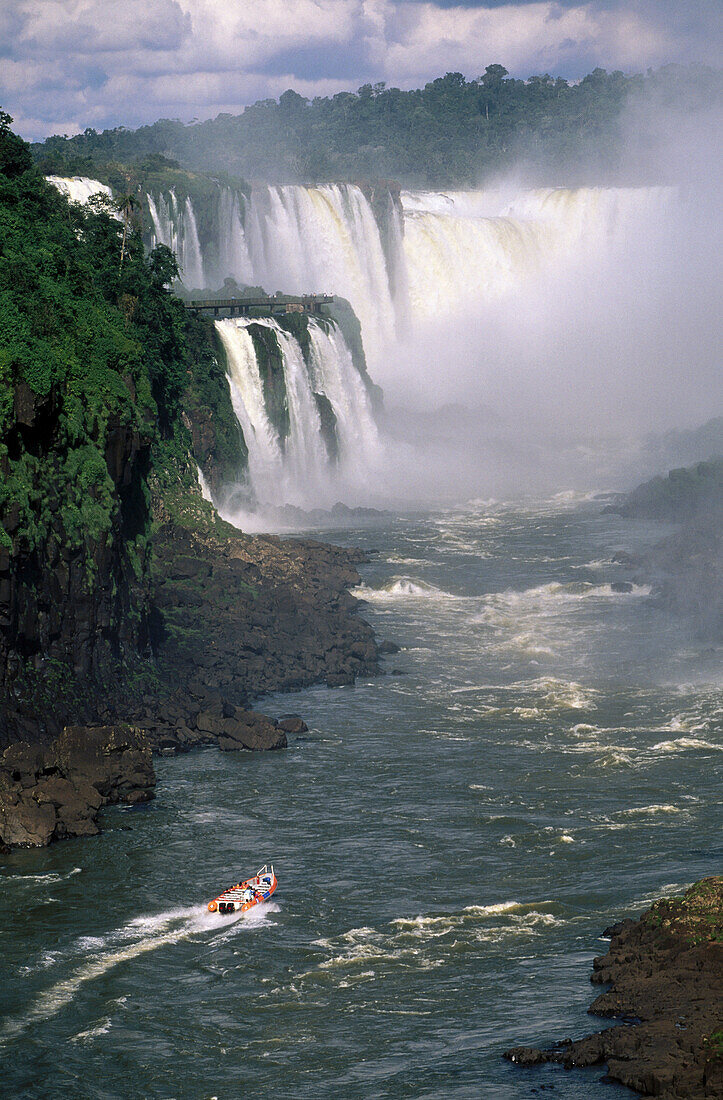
[
  {"x": 684, "y": 743},
  {"x": 653, "y": 810},
  {"x": 137, "y": 937},
  {"x": 403, "y": 588}
]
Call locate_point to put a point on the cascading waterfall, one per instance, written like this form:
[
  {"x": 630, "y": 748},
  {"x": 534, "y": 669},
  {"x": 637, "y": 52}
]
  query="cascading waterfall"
[
  {"x": 79, "y": 188},
  {"x": 455, "y": 291},
  {"x": 317, "y": 239},
  {"x": 335, "y": 376},
  {"x": 233, "y": 255},
  {"x": 295, "y": 466},
  {"x": 472, "y": 246},
  {"x": 174, "y": 224},
  {"x": 446, "y": 250}
]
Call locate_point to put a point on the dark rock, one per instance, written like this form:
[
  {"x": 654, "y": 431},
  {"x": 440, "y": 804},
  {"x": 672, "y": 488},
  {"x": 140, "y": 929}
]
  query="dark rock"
[
  {"x": 292, "y": 723},
  {"x": 54, "y": 792},
  {"x": 525, "y": 1056},
  {"x": 339, "y": 679},
  {"x": 26, "y": 823},
  {"x": 621, "y": 586},
  {"x": 251, "y": 731},
  {"x": 208, "y": 722},
  {"x": 665, "y": 973},
  {"x": 388, "y": 647},
  {"x": 616, "y": 929}
]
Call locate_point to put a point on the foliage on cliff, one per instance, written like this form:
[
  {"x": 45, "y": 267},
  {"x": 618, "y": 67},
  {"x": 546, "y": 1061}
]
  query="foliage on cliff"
[
  {"x": 102, "y": 372},
  {"x": 452, "y": 132},
  {"x": 697, "y": 914}
]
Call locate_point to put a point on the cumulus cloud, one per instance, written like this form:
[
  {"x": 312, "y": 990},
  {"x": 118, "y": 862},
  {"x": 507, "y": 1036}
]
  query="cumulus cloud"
[{"x": 68, "y": 64}]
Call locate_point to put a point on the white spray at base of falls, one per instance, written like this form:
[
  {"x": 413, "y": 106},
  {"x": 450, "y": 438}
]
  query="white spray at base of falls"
[{"x": 297, "y": 469}]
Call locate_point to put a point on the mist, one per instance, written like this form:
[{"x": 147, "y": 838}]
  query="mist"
[{"x": 599, "y": 336}]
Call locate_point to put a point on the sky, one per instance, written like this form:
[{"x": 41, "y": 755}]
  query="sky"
[{"x": 69, "y": 64}]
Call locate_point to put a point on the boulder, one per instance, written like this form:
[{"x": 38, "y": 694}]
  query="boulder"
[
  {"x": 24, "y": 762},
  {"x": 209, "y": 722},
  {"x": 292, "y": 723},
  {"x": 56, "y": 792},
  {"x": 26, "y": 823},
  {"x": 250, "y": 730},
  {"x": 113, "y": 759}
]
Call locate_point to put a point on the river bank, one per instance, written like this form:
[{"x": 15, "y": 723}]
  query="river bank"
[
  {"x": 665, "y": 977},
  {"x": 234, "y": 617}
]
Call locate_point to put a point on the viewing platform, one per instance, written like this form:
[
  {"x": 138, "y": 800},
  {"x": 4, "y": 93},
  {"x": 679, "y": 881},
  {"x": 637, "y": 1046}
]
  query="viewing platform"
[{"x": 240, "y": 307}]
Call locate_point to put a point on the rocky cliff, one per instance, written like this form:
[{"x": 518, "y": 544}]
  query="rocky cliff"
[{"x": 665, "y": 978}]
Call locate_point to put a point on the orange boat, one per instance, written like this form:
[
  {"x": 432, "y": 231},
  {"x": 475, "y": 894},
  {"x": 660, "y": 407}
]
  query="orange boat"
[{"x": 244, "y": 895}]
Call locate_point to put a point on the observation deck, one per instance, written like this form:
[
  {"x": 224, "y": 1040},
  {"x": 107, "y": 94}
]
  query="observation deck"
[{"x": 240, "y": 307}]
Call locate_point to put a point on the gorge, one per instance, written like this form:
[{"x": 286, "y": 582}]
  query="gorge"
[{"x": 540, "y": 757}]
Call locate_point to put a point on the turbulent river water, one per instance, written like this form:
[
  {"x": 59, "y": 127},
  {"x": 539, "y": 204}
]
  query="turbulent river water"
[{"x": 449, "y": 843}]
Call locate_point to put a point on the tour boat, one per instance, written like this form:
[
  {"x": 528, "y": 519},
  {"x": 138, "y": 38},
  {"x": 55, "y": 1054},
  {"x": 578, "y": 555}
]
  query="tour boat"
[{"x": 244, "y": 895}]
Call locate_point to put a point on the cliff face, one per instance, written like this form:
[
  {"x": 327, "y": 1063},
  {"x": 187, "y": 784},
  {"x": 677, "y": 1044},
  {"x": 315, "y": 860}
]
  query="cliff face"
[
  {"x": 97, "y": 360},
  {"x": 74, "y": 595}
]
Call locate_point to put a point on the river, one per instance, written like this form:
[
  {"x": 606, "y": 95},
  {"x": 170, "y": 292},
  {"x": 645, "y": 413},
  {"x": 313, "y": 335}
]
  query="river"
[{"x": 449, "y": 843}]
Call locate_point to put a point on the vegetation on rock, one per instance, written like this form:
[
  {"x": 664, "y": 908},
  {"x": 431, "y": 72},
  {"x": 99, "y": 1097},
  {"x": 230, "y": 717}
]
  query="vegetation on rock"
[{"x": 101, "y": 374}]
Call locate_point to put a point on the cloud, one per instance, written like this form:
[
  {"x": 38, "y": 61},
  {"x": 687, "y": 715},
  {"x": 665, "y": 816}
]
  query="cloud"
[{"x": 67, "y": 64}]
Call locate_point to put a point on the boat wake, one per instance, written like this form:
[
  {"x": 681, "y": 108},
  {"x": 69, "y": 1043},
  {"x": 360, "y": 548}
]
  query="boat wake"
[{"x": 135, "y": 938}]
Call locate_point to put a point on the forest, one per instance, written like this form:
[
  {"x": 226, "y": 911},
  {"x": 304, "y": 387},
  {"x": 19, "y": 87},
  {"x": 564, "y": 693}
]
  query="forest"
[{"x": 454, "y": 132}]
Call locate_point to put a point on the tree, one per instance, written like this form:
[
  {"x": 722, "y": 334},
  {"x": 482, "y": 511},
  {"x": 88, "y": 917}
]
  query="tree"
[
  {"x": 15, "y": 155},
  {"x": 126, "y": 206},
  {"x": 493, "y": 76},
  {"x": 163, "y": 266}
]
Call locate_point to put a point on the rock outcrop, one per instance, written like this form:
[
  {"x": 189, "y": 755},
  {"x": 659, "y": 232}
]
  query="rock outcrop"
[
  {"x": 241, "y": 616},
  {"x": 53, "y": 792},
  {"x": 666, "y": 983},
  {"x": 685, "y": 569}
]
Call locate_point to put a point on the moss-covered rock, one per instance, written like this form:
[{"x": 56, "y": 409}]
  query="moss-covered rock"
[
  {"x": 271, "y": 370},
  {"x": 329, "y": 431}
]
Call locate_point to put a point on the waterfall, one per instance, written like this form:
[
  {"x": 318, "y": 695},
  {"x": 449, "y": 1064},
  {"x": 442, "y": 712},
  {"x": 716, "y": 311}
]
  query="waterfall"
[
  {"x": 294, "y": 462},
  {"x": 233, "y": 254},
  {"x": 522, "y": 301},
  {"x": 174, "y": 224},
  {"x": 334, "y": 375},
  {"x": 79, "y": 188},
  {"x": 466, "y": 248},
  {"x": 317, "y": 239}
]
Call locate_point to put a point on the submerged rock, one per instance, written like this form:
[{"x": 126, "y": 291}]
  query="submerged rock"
[{"x": 621, "y": 586}]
